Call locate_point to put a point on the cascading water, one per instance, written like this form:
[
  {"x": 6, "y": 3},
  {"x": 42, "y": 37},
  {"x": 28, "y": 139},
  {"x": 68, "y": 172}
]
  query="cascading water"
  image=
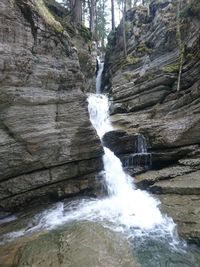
[
  {"x": 99, "y": 74},
  {"x": 134, "y": 208},
  {"x": 140, "y": 159},
  {"x": 126, "y": 209},
  {"x": 130, "y": 207}
]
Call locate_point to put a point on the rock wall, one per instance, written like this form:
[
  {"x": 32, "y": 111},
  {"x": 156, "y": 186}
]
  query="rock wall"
[
  {"x": 48, "y": 148},
  {"x": 163, "y": 44}
]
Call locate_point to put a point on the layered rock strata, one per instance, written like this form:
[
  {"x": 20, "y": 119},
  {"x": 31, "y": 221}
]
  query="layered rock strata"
[
  {"x": 163, "y": 45},
  {"x": 44, "y": 152}
]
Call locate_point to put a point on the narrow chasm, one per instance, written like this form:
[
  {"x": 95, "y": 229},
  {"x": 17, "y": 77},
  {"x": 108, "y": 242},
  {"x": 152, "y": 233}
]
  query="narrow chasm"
[{"x": 99, "y": 171}]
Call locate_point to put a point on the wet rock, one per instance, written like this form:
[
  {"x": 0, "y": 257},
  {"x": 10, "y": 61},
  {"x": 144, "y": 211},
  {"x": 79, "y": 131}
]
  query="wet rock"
[
  {"x": 152, "y": 176},
  {"x": 178, "y": 188},
  {"x": 144, "y": 99},
  {"x": 120, "y": 142},
  {"x": 184, "y": 209},
  {"x": 83, "y": 244},
  {"x": 188, "y": 184},
  {"x": 167, "y": 156},
  {"x": 131, "y": 149}
]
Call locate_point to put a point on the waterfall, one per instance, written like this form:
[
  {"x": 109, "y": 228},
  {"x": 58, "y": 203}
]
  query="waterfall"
[
  {"x": 127, "y": 205},
  {"x": 141, "y": 144},
  {"x": 140, "y": 159},
  {"x": 126, "y": 208},
  {"x": 130, "y": 207},
  {"x": 99, "y": 75}
]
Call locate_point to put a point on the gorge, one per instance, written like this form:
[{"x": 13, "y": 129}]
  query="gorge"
[{"x": 51, "y": 152}]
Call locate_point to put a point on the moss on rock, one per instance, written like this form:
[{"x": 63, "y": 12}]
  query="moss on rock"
[
  {"x": 174, "y": 68},
  {"x": 48, "y": 17},
  {"x": 142, "y": 48}
]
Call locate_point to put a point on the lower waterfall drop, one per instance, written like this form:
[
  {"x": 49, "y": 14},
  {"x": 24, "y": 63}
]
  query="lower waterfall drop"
[
  {"x": 125, "y": 205},
  {"x": 126, "y": 209}
]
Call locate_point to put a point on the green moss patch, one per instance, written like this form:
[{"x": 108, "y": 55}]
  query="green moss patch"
[
  {"x": 47, "y": 16},
  {"x": 130, "y": 76},
  {"x": 174, "y": 68},
  {"x": 142, "y": 48}
]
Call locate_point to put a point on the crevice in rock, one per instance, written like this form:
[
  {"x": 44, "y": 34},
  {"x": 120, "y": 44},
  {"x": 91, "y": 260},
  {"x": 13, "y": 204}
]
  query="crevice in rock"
[
  {"x": 28, "y": 15},
  {"x": 72, "y": 179},
  {"x": 48, "y": 168}
]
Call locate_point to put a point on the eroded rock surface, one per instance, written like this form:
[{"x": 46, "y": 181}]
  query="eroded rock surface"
[
  {"x": 144, "y": 99},
  {"x": 84, "y": 244},
  {"x": 44, "y": 152}
]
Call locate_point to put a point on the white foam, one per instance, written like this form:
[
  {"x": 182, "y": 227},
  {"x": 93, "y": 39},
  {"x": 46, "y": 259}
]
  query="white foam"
[{"x": 125, "y": 209}]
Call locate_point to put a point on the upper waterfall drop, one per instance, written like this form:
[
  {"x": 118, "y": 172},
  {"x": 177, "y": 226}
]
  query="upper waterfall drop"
[
  {"x": 125, "y": 205},
  {"x": 99, "y": 75}
]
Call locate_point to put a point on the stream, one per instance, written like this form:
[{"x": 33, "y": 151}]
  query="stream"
[{"x": 127, "y": 210}]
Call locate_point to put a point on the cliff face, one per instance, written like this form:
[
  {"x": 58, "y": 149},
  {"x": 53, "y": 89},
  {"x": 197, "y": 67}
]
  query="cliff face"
[
  {"x": 44, "y": 122},
  {"x": 162, "y": 43}
]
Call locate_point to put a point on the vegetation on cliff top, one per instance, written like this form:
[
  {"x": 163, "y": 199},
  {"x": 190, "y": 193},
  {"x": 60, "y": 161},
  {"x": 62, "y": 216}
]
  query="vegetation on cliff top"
[{"x": 48, "y": 17}]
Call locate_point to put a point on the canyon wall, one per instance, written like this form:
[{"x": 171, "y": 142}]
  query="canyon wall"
[
  {"x": 163, "y": 47},
  {"x": 48, "y": 148}
]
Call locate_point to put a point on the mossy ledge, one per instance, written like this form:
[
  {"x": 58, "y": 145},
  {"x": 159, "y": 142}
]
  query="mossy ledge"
[{"x": 48, "y": 17}]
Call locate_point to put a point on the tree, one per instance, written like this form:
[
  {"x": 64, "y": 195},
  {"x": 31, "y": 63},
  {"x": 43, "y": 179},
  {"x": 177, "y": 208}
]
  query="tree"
[
  {"x": 92, "y": 7},
  {"x": 124, "y": 27},
  {"x": 101, "y": 22},
  {"x": 77, "y": 11},
  {"x": 113, "y": 14}
]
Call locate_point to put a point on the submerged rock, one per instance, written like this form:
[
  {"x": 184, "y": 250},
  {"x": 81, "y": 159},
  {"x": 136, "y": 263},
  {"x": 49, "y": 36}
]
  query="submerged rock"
[{"x": 84, "y": 244}]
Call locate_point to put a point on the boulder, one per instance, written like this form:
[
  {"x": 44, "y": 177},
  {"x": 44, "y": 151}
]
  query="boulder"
[{"x": 84, "y": 244}]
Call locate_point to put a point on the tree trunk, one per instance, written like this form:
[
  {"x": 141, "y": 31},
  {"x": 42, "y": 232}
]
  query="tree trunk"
[
  {"x": 128, "y": 4},
  {"x": 124, "y": 28},
  {"x": 113, "y": 14},
  {"x": 92, "y": 16},
  {"x": 77, "y": 12}
]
